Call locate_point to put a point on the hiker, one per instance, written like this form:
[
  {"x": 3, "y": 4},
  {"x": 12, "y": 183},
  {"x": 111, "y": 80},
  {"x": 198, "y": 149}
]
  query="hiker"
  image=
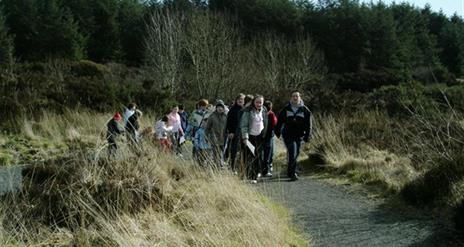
[
  {"x": 226, "y": 108},
  {"x": 196, "y": 120},
  {"x": 128, "y": 111},
  {"x": 253, "y": 127},
  {"x": 268, "y": 146},
  {"x": 200, "y": 144},
  {"x": 247, "y": 102},
  {"x": 177, "y": 131},
  {"x": 183, "y": 118},
  {"x": 232, "y": 127},
  {"x": 163, "y": 131},
  {"x": 132, "y": 127},
  {"x": 294, "y": 124},
  {"x": 214, "y": 130},
  {"x": 114, "y": 129}
]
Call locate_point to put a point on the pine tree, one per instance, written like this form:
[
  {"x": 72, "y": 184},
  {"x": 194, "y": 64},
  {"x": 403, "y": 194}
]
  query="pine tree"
[{"x": 6, "y": 44}]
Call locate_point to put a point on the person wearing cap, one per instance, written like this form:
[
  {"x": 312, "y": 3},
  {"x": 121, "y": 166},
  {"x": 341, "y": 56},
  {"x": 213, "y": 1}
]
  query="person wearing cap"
[
  {"x": 215, "y": 129},
  {"x": 114, "y": 128},
  {"x": 221, "y": 102}
]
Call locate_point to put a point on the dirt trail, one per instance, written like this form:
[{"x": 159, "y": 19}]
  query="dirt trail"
[{"x": 337, "y": 216}]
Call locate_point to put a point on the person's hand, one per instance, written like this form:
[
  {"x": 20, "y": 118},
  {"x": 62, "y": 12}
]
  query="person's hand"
[{"x": 231, "y": 136}]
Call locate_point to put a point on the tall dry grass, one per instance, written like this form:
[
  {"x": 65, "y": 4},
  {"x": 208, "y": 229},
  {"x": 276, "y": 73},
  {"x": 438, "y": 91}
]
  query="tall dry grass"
[
  {"x": 139, "y": 198},
  {"x": 364, "y": 146}
]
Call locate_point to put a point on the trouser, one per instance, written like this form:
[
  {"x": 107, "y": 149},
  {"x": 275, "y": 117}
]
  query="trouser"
[
  {"x": 112, "y": 147},
  {"x": 175, "y": 137},
  {"x": 217, "y": 154},
  {"x": 268, "y": 151},
  {"x": 233, "y": 148},
  {"x": 293, "y": 150},
  {"x": 253, "y": 162}
]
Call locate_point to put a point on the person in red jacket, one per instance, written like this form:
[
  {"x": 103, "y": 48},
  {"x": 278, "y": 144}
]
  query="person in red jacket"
[{"x": 269, "y": 140}]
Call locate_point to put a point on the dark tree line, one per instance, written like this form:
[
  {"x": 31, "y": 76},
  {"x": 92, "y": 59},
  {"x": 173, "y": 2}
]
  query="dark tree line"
[{"x": 355, "y": 38}]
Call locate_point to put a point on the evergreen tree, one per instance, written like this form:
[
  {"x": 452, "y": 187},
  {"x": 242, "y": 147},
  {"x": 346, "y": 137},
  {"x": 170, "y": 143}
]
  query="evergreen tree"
[
  {"x": 383, "y": 43},
  {"x": 452, "y": 44},
  {"x": 22, "y": 18},
  {"x": 59, "y": 33},
  {"x": 6, "y": 44},
  {"x": 104, "y": 41},
  {"x": 132, "y": 30}
]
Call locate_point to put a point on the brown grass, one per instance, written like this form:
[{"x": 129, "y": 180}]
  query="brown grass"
[{"x": 137, "y": 199}]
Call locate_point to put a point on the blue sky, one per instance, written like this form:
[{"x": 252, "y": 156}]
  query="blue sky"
[{"x": 448, "y": 6}]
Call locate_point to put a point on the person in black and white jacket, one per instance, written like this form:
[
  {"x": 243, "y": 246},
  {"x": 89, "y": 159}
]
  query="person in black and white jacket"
[{"x": 295, "y": 126}]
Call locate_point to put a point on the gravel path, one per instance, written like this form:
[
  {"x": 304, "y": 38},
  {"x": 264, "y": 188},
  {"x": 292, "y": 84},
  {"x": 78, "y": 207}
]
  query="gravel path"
[
  {"x": 10, "y": 179},
  {"x": 336, "y": 216}
]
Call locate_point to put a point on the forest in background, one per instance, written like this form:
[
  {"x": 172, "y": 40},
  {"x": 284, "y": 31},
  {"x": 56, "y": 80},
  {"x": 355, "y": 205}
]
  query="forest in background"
[{"x": 342, "y": 53}]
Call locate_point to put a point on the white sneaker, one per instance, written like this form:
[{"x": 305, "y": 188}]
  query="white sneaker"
[
  {"x": 259, "y": 175},
  {"x": 235, "y": 173},
  {"x": 253, "y": 181},
  {"x": 268, "y": 174}
]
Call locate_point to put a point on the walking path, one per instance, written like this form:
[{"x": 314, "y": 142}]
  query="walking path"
[{"x": 334, "y": 215}]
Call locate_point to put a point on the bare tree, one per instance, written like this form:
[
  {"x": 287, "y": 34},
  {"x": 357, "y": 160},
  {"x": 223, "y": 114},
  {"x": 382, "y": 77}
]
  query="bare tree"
[
  {"x": 287, "y": 64},
  {"x": 164, "y": 48},
  {"x": 212, "y": 45}
]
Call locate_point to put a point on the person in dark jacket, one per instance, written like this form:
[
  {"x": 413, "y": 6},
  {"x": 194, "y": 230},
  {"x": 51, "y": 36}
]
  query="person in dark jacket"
[
  {"x": 132, "y": 127},
  {"x": 233, "y": 136},
  {"x": 294, "y": 124},
  {"x": 183, "y": 118},
  {"x": 114, "y": 128},
  {"x": 269, "y": 140},
  {"x": 214, "y": 131}
]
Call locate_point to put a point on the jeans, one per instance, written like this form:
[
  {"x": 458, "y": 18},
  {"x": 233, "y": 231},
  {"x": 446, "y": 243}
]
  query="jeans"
[
  {"x": 293, "y": 150},
  {"x": 268, "y": 147}
]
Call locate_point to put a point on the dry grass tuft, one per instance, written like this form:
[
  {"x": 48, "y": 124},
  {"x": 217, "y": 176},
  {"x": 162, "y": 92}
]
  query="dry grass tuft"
[
  {"x": 347, "y": 146},
  {"x": 139, "y": 198}
]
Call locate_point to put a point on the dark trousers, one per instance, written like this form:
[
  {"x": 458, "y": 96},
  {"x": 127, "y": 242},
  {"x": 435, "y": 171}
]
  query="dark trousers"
[
  {"x": 253, "y": 162},
  {"x": 175, "y": 138},
  {"x": 268, "y": 151},
  {"x": 233, "y": 148},
  {"x": 217, "y": 151},
  {"x": 112, "y": 147},
  {"x": 293, "y": 150}
]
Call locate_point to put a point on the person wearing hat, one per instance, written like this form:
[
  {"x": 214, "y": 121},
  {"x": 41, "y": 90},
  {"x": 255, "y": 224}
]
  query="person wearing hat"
[
  {"x": 215, "y": 130},
  {"x": 114, "y": 129},
  {"x": 221, "y": 102}
]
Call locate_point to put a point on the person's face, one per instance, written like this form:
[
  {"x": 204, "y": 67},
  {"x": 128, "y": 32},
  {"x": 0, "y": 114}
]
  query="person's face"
[
  {"x": 240, "y": 101},
  {"x": 296, "y": 98},
  {"x": 258, "y": 103},
  {"x": 202, "y": 108},
  {"x": 220, "y": 109},
  {"x": 175, "y": 109}
]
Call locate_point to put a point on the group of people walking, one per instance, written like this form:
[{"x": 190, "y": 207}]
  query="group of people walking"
[{"x": 219, "y": 133}]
